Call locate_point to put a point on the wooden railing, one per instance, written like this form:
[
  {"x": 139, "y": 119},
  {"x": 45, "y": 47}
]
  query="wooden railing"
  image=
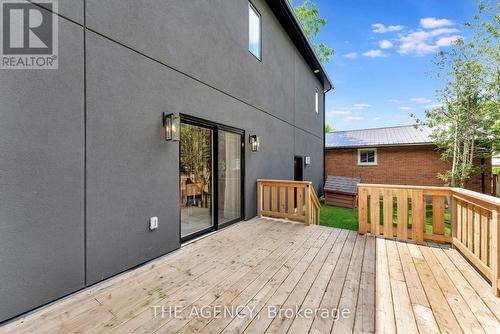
[
  {"x": 293, "y": 200},
  {"x": 475, "y": 231},
  {"x": 419, "y": 214}
]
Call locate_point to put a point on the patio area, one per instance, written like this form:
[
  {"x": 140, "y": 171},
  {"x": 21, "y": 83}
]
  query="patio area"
[{"x": 237, "y": 280}]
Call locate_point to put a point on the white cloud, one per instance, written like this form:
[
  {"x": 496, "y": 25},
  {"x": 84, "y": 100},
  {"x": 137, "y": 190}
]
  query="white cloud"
[
  {"x": 447, "y": 41},
  {"x": 385, "y": 44},
  {"x": 395, "y": 101},
  {"x": 353, "y": 110},
  {"x": 433, "y": 106},
  {"x": 353, "y": 118},
  {"x": 405, "y": 108},
  {"x": 376, "y": 118},
  {"x": 433, "y": 23},
  {"x": 374, "y": 54},
  {"x": 361, "y": 106},
  {"x": 424, "y": 42},
  {"x": 443, "y": 31},
  {"x": 338, "y": 112},
  {"x": 422, "y": 100},
  {"x": 379, "y": 28},
  {"x": 351, "y": 55}
]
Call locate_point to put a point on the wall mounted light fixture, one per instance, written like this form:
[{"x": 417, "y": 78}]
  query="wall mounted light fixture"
[
  {"x": 254, "y": 143},
  {"x": 307, "y": 160},
  {"x": 172, "y": 126}
]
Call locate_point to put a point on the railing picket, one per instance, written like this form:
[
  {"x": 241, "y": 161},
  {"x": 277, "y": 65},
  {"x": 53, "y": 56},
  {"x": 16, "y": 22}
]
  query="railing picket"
[
  {"x": 300, "y": 203},
  {"x": 456, "y": 206},
  {"x": 274, "y": 198},
  {"x": 484, "y": 235},
  {"x": 402, "y": 212},
  {"x": 388, "y": 214},
  {"x": 477, "y": 231},
  {"x": 283, "y": 200},
  {"x": 464, "y": 223},
  {"x": 438, "y": 215},
  {"x": 375, "y": 211},
  {"x": 417, "y": 215},
  {"x": 470, "y": 227},
  {"x": 267, "y": 190},
  {"x": 291, "y": 204}
]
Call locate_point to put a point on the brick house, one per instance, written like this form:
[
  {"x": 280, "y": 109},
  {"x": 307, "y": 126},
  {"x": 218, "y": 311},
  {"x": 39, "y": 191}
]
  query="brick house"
[{"x": 392, "y": 155}]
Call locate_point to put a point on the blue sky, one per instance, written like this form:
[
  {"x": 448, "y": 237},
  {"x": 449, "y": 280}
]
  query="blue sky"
[{"x": 384, "y": 53}]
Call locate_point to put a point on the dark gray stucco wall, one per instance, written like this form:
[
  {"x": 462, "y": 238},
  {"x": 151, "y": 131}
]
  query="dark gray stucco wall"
[
  {"x": 142, "y": 58},
  {"x": 41, "y": 180}
]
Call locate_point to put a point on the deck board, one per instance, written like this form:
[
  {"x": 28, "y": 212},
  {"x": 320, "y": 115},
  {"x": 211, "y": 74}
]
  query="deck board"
[{"x": 264, "y": 264}]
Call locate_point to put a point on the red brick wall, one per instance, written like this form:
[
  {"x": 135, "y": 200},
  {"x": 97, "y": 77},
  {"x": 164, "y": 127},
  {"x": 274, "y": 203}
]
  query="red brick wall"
[{"x": 410, "y": 165}]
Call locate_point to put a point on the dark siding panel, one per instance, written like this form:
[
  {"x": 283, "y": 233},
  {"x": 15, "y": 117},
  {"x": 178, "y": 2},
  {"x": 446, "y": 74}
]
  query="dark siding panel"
[{"x": 41, "y": 180}]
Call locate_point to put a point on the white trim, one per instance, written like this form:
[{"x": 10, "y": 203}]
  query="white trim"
[{"x": 367, "y": 163}]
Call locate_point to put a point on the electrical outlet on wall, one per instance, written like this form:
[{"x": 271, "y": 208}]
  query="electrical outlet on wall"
[{"x": 153, "y": 223}]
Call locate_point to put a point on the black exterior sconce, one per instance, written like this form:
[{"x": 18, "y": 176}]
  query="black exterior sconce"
[
  {"x": 254, "y": 143},
  {"x": 172, "y": 126}
]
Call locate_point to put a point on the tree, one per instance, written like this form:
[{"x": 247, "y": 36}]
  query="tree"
[
  {"x": 308, "y": 15},
  {"x": 329, "y": 128},
  {"x": 466, "y": 124}
]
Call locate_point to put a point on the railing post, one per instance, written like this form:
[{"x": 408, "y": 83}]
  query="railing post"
[
  {"x": 495, "y": 265},
  {"x": 308, "y": 204},
  {"x": 363, "y": 211},
  {"x": 259, "y": 199}
]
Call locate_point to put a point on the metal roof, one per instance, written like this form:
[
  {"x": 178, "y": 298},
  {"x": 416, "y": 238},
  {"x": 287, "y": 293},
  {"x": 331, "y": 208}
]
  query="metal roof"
[
  {"x": 391, "y": 136},
  {"x": 342, "y": 184}
]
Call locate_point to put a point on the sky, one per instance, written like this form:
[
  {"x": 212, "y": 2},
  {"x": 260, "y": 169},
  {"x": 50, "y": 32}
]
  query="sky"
[{"x": 384, "y": 53}]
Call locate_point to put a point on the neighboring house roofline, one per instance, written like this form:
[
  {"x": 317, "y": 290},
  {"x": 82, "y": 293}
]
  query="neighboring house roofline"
[
  {"x": 407, "y": 135},
  {"x": 289, "y": 21},
  {"x": 380, "y": 145}
]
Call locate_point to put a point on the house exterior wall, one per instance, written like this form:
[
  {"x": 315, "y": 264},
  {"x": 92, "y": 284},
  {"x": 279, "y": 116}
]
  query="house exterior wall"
[
  {"x": 84, "y": 163},
  {"x": 409, "y": 165}
]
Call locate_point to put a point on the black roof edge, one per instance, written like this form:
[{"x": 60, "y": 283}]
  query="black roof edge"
[{"x": 285, "y": 15}]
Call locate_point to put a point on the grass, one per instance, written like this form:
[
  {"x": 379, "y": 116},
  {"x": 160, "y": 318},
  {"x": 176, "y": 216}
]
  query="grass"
[
  {"x": 334, "y": 216},
  {"x": 347, "y": 218}
]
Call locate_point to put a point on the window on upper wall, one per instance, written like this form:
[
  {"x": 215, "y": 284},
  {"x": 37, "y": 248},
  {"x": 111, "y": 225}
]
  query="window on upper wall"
[
  {"x": 316, "y": 100},
  {"x": 367, "y": 156},
  {"x": 254, "y": 32}
]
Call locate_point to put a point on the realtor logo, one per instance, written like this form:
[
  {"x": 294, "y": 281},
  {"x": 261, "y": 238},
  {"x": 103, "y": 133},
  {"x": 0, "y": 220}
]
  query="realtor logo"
[{"x": 29, "y": 36}]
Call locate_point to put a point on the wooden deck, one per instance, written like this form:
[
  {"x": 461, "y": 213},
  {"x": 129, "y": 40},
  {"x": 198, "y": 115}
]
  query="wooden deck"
[{"x": 266, "y": 265}]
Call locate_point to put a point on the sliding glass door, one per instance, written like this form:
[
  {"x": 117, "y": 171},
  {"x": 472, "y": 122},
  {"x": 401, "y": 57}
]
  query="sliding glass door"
[
  {"x": 229, "y": 175},
  {"x": 211, "y": 175}
]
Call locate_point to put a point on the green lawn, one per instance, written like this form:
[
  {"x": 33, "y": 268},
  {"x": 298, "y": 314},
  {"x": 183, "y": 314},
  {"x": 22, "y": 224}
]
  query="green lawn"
[
  {"x": 339, "y": 217},
  {"x": 348, "y": 218}
]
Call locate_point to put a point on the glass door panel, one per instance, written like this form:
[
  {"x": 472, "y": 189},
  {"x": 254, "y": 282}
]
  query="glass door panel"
[
  {"x": 195, "y": 179},
  {"x": 229, "y": 177}
]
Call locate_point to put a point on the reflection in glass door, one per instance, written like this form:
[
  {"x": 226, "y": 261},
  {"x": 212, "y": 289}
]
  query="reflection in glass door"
[
  {"x": 229, "y": 177},
  {"x": 195, "y": 179}
]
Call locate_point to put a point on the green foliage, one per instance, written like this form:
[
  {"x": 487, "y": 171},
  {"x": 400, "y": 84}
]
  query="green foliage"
[
  {"x": 467, "y": 123},
  {"x": 496, "y": 170},
  {"x": 329, "y": 128},
  {"x": 308, "y": 15}
]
